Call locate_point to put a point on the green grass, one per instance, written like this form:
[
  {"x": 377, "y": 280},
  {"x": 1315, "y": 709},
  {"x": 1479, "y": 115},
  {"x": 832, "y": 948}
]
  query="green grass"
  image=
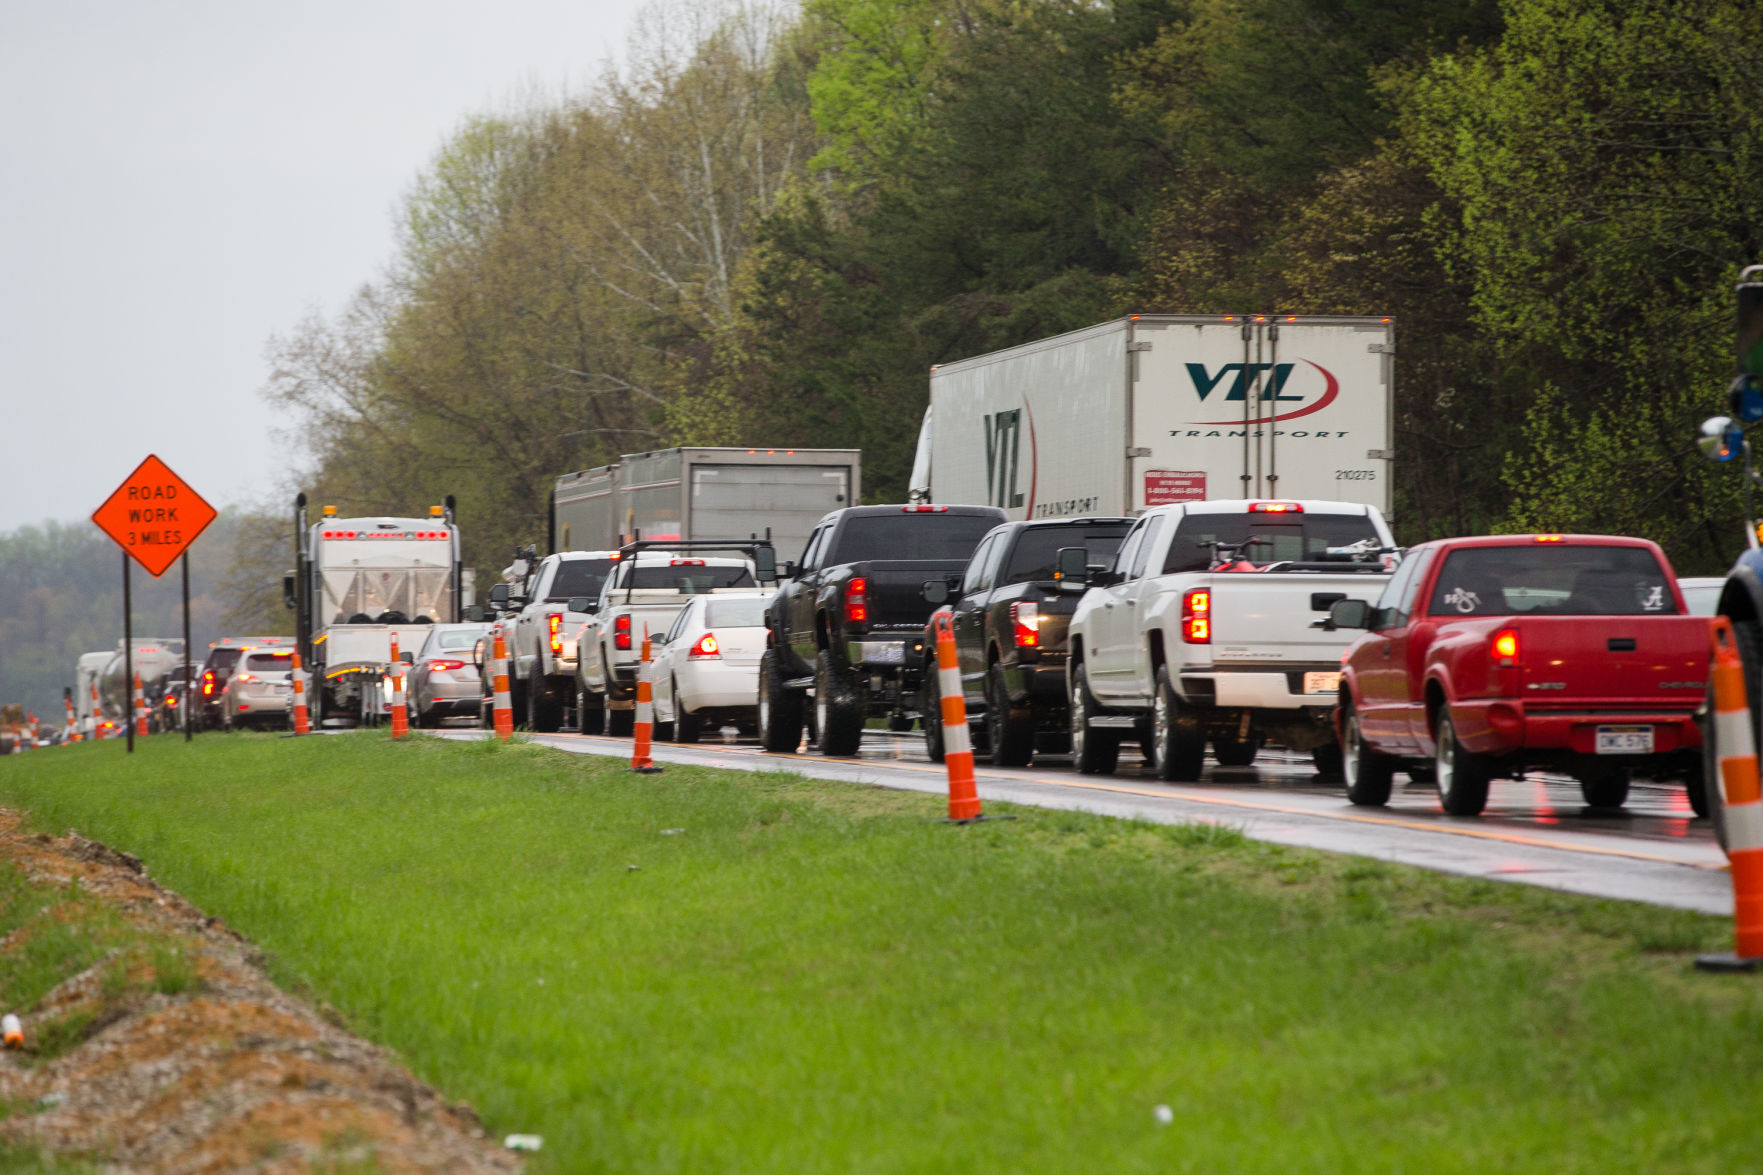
[{"x": 816, "y": 977}]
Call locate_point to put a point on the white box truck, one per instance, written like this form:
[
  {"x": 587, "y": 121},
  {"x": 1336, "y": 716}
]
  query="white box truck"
[
  {"x": 1154, "y": 409},
  {"x": 704, "y": 493}
]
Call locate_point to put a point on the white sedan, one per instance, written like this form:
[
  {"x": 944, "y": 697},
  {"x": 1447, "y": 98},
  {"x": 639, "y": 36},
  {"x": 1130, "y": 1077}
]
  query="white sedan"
[{"x": 706, "y": 669}]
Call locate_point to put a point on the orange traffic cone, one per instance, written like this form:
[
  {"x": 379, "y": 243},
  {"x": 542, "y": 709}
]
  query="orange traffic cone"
[
  {"x": 140, "y": 708},
  {"x": 501, "y": 708},
  {"x": 957, "y": 743},
  {"x": 302, "y": 720},
  {"x": 645, "y": 724},
  {"x": 1739, "y": 785},
  {"x": 400, "y": 718}
]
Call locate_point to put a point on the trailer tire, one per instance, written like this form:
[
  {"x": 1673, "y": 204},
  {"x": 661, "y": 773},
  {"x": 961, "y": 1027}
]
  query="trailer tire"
[
  {"x": 1178, "y": 749},
  {"x": 1093, "y": 752},
  {"x": 780, "y": 709},
  {"x": 838, "y": 708},
  {"x": 1605, "y": 787},
  {"x": 1010, "y": 730}
]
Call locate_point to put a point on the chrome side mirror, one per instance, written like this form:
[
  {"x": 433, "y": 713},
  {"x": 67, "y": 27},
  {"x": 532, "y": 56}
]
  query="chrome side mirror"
[{"x": 1720, "y": 438}]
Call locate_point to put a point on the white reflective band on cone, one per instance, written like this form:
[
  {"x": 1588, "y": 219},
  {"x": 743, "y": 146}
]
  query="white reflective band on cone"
[
  {"x": 1744, "y": 827},
  {"x": 1732, "y": 734}
]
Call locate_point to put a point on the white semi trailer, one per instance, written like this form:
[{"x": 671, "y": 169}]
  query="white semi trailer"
[
  {"x": 1154, "y": 409},
  {"x": 356, "y": 583},
  {"x": 704, "y": 493}
]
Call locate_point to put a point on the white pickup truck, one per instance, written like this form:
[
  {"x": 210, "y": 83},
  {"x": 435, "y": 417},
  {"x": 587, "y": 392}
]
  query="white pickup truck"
[
  {"x": 648, "y": 587},
  {"x": 1168, "y": 649},
  {"x": 541, "y": 635}
]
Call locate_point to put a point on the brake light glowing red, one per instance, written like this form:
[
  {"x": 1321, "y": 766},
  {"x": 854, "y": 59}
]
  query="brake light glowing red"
[
  {"x": 706, "y": 647},
  {"x": 437, "y": 666},
  {"x": 857, "y": 601},
  {"x": 208, "y": 684},
  {"x": 685, "y": 562},
  {"x": 556, "y": 640},
  {"x": 1276, "y": 508},
  {"x": 1506, "y": 646},
  {"x": 244, "y": 677},
  {"x": 924, "y": 509},
  {"x": 621, "y": 633},
  {"x": 1025, "y": 620},
  {"x": 1196, "y": 616}
]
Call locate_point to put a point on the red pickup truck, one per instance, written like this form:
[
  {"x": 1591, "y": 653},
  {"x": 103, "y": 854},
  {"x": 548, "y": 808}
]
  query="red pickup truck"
[{"x": 1486, "y": 657}]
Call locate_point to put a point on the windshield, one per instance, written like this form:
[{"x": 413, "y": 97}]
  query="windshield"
[
  {"x": 578, "y": 577},
  {"x": 1552, "y": 581},
  {"x": 1037, "y": 549},
  {"x": 736, "y": 613},
  {"x": 910, "y": 536},
  {"x": 1297, "y": 537},
  {"x": 688, "y": 576}
]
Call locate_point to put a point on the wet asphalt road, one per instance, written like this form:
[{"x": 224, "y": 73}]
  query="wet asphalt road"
[{"x": 1536, "y": 830}]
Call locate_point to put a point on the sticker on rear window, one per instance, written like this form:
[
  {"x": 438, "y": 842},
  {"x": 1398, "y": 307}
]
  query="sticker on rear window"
[
  {"x": 1463, "y": 600},
  {"x": 1655, "y": 598}
]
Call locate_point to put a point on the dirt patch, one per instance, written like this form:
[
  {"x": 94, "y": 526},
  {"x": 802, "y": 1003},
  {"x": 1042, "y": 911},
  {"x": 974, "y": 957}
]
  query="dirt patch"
[{"x": 206, "y": 1066}]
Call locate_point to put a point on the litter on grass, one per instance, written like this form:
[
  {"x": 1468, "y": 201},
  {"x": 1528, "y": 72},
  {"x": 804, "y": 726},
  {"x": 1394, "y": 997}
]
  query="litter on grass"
[
  {"x": 523, "y": 1142},
  {"x": 1163, "y": 1114}
]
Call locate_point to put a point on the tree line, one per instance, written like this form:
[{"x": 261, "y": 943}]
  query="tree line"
[{"x": 770, "y": 222}]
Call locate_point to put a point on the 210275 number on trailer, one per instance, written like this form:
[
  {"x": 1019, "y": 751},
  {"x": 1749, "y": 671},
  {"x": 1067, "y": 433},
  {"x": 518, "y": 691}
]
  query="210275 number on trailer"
[{"x": 1355, "y": 475}]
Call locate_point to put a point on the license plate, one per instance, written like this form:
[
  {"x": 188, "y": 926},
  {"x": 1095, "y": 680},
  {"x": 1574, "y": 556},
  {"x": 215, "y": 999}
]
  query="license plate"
[
  {"x": 887, "y": 655},
  {"x": 1322, "y": 683},
  {"x": 1625, "y": 740}
]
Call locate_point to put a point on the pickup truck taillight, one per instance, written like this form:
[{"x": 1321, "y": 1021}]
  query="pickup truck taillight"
[
  {"x": 621, "y": 633},
  {"x": 1196, "y": 616},
  {"x": 556, "y": 638},
  {"x": 1025, "y": 619},
  {"x": 1505, "y": 647},
  {"x": 857, "y": 601}
]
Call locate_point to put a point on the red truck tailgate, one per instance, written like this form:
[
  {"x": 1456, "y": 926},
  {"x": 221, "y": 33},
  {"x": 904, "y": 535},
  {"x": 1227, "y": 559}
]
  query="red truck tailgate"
[{"x": 1604, "y": 662}]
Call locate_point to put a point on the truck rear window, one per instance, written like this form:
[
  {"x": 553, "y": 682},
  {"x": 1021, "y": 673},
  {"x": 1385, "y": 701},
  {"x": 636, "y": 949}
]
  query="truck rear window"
[
  {"x": 269, "y": 662},
  {"x": 910, "y": 536},
  {"x": 688, "y": 578},
  {"x": 1295, "y": 537},
  {"x": 1037, "y": 549},
  {"x": 1552, "y": 581},
  {"x": 578, "y": 577}
]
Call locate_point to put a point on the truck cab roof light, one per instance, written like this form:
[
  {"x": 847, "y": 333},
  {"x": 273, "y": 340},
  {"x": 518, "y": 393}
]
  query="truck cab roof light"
[
  {"x": 1548, "y": 538},
  {"x": 1276, "y": 508},
  {"x": 685, "y": 562}
]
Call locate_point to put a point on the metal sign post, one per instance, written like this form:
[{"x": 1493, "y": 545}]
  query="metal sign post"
[{"x": 153, "y": 516}]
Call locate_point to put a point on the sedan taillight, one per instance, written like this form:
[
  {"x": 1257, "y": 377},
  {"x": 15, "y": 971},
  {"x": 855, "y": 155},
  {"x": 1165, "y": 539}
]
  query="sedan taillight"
[{"x": 705, "y": 648}]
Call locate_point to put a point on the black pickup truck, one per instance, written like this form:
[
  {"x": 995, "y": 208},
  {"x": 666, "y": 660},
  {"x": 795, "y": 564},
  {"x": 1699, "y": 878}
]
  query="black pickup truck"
[
  {"x": 1009, "y": 619},
  {"x": 848, "y": 622}
]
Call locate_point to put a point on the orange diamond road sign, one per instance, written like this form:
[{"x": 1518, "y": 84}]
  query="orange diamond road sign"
[{"x": 154, "y": 516}]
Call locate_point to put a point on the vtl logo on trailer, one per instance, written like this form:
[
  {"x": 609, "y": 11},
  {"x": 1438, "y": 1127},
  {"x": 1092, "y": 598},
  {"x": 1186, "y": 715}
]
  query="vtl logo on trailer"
[
  {"x": 1273, "y": 384},
  {"x": 1004, "y": 457}
]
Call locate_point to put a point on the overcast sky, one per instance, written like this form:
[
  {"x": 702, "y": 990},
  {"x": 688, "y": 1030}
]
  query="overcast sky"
[{"x": 182, "y": 180}]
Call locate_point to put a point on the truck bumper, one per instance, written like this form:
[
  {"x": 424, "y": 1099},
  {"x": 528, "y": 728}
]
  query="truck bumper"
[
  {"x": 1503, "y": 728},
  {"x": 1268, "y": 689}
]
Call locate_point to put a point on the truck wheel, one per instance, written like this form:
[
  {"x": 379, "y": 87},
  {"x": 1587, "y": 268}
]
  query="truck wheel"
[
  {"x": 838, "y": 708},
  {"x": 1093, "y": 752},
  {"x": 590, "y": 713},
  {"x": 930, "y": 719},
  {"x": 1178, "y": 749},
  {"x": 1235, "y": 753},
  {"x": 1695, "y": 790},
  {"x": 1368, "y": 775},
  {"x": 1605, "y": 787},
  {"x": 621, "y": 723},
  {"x": 687, "y": 727},
  {"x": 780, "y": 709},
  {"x": 1010, "y": 729},
  {"x": 544, "y": 713},
  {"x": 1463, "y": 777}
]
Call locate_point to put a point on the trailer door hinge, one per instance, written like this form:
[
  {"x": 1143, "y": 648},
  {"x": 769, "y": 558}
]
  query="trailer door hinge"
[
  {"x": 1133, "y": 452},
  {"x": 1380, "y": 454},
  {"x": 1144, "y": 345},
  {"x": 1381, "y": 349}
]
